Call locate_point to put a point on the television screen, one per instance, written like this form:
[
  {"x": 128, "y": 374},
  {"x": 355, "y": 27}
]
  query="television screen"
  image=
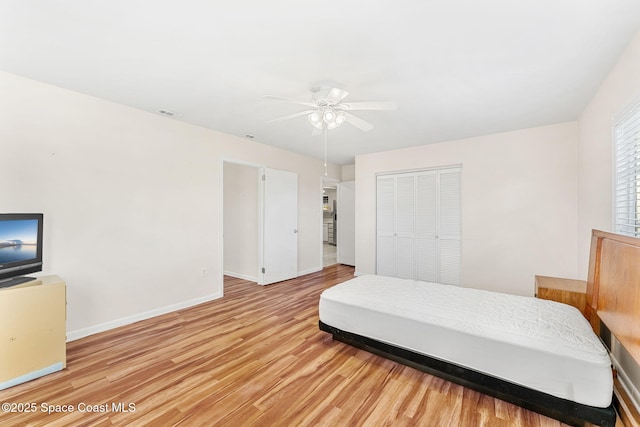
[{"x": 20, "y": 244}]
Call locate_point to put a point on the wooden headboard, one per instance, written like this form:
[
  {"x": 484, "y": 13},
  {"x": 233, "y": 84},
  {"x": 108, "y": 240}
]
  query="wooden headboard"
[{"x": 613, "y": 306}]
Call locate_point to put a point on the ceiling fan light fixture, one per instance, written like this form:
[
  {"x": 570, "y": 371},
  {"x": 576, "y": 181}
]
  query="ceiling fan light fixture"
[
  {"x": 314, "y": 117},
  {"x": 331, "y": 125},
  {"x": 329, "y": 116},
  {"x": 328, "y": 112},
  {"x": 316, "y": 120}
]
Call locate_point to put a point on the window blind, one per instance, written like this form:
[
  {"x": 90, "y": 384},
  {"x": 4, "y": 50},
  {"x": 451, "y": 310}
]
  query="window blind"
[{"x": 627, "y": 173}]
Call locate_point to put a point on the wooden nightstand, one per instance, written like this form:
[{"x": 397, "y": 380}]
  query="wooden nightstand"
[{"x": 568, "y": 291}]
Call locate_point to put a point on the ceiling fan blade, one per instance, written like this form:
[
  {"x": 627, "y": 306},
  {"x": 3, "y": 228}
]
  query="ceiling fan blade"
[
  {"x": 278, "y": 98},
  {"x": 336, "y": 95},
  {"x": 358, "y": 122},
  {"x": 290, "y": 116},
  {"x": 372, "y": 105}
]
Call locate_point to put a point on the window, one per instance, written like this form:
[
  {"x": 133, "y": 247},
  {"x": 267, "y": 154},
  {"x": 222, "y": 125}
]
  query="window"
[{"x": 627, "y": 173}]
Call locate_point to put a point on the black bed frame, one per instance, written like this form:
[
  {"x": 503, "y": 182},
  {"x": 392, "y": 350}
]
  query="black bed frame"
[{"x": 563, "y": 410}]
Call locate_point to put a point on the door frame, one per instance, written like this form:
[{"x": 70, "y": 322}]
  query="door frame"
[
  {"x": 340, "y": 202},
  {"x": 222, "y": 220},
  {"x": 325, "y": 182}
]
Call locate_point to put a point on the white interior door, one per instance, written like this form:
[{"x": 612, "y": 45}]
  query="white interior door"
[
  {"x": 279, "y": 226},
  {"x": 346, "y": 220}
]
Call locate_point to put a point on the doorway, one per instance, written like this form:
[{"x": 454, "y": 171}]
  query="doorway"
[
  {"x": 241, "y": 221},
  {"x": 329, "y": 225},
  {"x": 329, "y": 221},
  {"x": 260, "y": 210}
]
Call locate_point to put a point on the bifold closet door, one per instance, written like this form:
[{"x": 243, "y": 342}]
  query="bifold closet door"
[
  {"x": 419, "y": 225},
  {"x": 427, "y": 226},
  {"x": 450, "y": 227},
  {"x": 396, "y": 220},
  {"x": 385, "y": 224}
]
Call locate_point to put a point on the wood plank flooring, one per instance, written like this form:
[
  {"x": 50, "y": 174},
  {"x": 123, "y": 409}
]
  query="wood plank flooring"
[{"x": 253, "y": 357}]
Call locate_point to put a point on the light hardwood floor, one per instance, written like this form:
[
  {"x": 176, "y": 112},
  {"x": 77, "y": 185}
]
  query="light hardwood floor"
[{"x": 253, "y": 357}]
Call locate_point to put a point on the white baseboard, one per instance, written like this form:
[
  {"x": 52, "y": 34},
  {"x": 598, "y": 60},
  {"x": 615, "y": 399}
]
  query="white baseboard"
[
  {"x": 241, "y": 276},
  {"x": 58, "y": 366},
  {"x": 255, "y": 279},
  {"x": 309, "y": 271},
  {"x": 85, "y": 332}
]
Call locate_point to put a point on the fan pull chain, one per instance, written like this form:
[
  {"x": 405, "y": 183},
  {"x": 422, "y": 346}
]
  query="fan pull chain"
[{"x": 324, "y": 131}]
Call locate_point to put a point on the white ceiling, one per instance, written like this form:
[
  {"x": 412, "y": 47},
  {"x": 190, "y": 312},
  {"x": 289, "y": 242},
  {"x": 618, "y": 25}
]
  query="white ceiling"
[{"x": 456, "y": 68}]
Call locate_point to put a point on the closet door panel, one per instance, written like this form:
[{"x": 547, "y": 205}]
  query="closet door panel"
[
  {"x": 385, "y": 206},
  {"x": 405, "y": 206},
  {"x": 386, "y": 256},
  {"x": 450, "y": 204},
  {"x": 426, "y": 260},
  {"x": 449, "y": 236},
  {"x": 450, "y": 261},
  {"x": 426, "y": 226},
  {"x": 405, "y": 257},
  {"x": 426, "y": 207},
  {"x": 405, "y": 226},
  {"x": 385, "y": 219}
]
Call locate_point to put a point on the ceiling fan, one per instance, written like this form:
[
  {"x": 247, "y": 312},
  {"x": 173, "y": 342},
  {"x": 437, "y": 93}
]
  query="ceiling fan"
[{"x": 327, "y": 111}]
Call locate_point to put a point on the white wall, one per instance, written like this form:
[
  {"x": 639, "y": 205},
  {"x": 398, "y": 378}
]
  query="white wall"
[
  {"x": 518, "y": 200},
  {"x": 349, "y": 172},
  {"x": 595, "y": 162},
  {"x": 132, "y": 200},
  {"x": 241, "y": 221}
]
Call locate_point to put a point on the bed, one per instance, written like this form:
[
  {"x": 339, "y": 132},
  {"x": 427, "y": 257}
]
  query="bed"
[{"x": 538, "y": 354}]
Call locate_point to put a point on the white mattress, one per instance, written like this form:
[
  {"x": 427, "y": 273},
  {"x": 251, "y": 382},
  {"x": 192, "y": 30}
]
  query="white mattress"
[{"x": 539, "y": 344}]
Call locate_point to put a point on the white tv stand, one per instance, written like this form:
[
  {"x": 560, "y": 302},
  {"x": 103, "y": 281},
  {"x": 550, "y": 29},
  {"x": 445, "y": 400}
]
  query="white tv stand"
[{"x": 32, "y": 330}]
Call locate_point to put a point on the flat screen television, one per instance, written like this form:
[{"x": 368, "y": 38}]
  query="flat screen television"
[{"x": 20, "y": 247}]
